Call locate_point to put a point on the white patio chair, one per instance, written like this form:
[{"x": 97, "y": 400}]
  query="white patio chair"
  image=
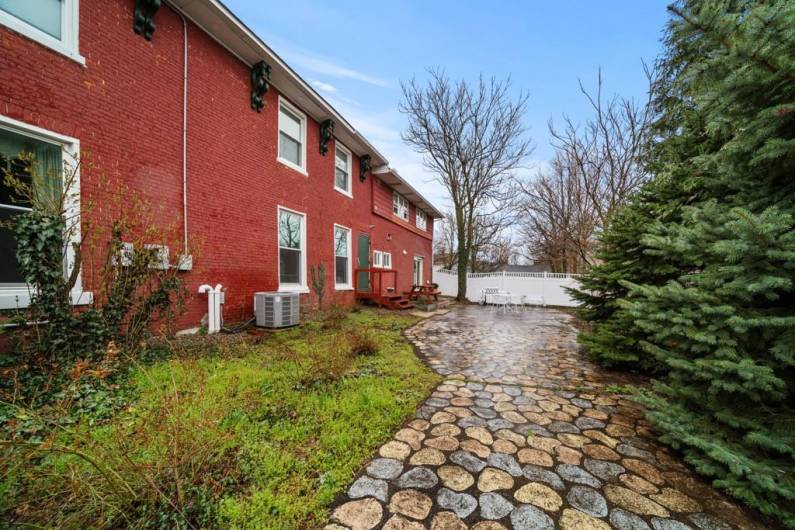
[
  {"x": 502, "y": 299},
  {"x": 487, "y": 295}
]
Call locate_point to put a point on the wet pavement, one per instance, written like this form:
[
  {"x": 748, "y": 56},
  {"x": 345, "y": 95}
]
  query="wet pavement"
[{"x": 525, "y": 433}]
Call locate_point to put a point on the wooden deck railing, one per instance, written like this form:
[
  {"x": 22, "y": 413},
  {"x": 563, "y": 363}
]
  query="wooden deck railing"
[{"x": 377, "y": 286}]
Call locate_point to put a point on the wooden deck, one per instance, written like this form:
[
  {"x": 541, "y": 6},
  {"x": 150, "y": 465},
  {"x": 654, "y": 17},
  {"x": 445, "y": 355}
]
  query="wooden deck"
[{"x": 381, "y": 289}]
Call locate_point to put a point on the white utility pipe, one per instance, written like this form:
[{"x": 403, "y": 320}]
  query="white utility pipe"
[
  {"x": 214, "y": 301},
  {"x": 184, "y": 130}
]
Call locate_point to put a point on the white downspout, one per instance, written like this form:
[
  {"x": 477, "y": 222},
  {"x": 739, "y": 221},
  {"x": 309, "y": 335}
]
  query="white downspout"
[{"x": 185, "y": 254}]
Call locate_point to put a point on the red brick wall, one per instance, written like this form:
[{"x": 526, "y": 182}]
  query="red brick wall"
[{"x": 125, "y": 107}]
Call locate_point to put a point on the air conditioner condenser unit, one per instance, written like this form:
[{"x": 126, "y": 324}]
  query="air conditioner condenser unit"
[{"x": 276, "y": 310}]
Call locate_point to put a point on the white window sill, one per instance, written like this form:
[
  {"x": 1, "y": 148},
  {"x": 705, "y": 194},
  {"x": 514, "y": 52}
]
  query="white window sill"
[
  {"x": 292, "y": 166},
  {"x": 343, "y": 192},
  {"x": 19, "y": 298},
  {"x": 300, "y": 289},
  {"x": 345, "y": 287},
  {"x": 42, "y": 38}
]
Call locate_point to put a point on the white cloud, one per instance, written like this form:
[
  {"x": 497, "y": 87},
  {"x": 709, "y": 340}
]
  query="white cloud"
[
  {"x": 324, "y": 66},
  {"x": 324, "y": 87}
]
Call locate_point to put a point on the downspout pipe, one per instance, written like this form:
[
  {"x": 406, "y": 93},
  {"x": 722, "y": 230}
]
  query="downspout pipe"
[{"x": 185, "y": 251}]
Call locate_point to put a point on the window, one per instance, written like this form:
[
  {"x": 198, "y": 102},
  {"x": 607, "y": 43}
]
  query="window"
[
  {"x": 292, "y": 250},
  {"x": 342, "y": 170},
  {"x": 52, "y": 23},
  {"x": 422, "y": 220},
  {"x": 35, "y": 157},
  {"x": 382, "y": 259},
  {"x": 342, "y": 257},
  {"x": 400, "y": 206},
  {"x": 292, "y": 135}
]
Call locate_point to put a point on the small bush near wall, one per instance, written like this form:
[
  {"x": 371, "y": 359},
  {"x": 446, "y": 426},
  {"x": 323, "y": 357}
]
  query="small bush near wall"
[{"x": 60, "y": 351}]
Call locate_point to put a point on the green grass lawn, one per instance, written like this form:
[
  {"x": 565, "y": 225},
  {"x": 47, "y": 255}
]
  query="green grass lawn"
[{"x": 252, "y": 435}]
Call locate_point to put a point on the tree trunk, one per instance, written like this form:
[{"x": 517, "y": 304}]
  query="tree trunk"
[{"x": 463, "y": 257}]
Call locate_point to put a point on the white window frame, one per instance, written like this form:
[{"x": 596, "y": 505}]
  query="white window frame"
[
  {"x": 386, "y": 260},
  {"x": 67, "y": 45},
  {"x": 349, "y": 191},
  {"x": 301, "y": 286},
  {"x": 348, "y": 286},
  {"x": 401, "y": 204},
  {"x": 421, "y": 259},
  {"x": 15, "y": 296},
  {"x": 378, "y": 258},
  {"x": 419, "y": 214},
  {"x": 302, "y": 118}
]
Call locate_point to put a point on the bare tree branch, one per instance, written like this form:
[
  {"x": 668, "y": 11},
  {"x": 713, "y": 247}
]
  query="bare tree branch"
[{"x": 472, "y": 138}]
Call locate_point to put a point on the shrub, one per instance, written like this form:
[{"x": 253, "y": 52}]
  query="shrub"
[
  {"x": 52, "y": 336},
  {"x": 334, "y": 317},
  {"x": 363, "y": 342}
]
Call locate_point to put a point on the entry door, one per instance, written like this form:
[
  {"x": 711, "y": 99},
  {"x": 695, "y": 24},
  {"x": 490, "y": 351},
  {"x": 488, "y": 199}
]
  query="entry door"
[
  {"x": 363, "y": 262},
  {"x": 418, "y": 270}
]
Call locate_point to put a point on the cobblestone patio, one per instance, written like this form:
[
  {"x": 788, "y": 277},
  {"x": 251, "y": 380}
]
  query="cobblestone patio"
[{"x": 524, "y": 435}]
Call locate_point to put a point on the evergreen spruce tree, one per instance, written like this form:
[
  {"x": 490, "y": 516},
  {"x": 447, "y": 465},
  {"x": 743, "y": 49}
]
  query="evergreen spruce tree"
[
  {"x": 724, "y": 327},
  {"x": 613, "y": 339}
]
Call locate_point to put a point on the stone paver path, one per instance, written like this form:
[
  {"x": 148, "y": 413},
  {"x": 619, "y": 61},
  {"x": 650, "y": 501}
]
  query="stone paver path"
[{"x": 523, "y": 434}]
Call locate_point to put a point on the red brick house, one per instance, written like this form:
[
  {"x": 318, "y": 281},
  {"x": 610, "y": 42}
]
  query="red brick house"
[{"x": 183, "y": 104}]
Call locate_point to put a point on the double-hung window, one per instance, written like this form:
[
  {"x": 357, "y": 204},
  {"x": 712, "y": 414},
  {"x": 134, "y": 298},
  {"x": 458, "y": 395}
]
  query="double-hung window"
[
  {"x": 292, "y": 137},
  {"x": 400, "y": 206},
  {"x": 342, "y": 170},
  {"x": 52, "y": 23},
  {"x": 342, "y": 257},
  {"x": 33, "y": 159},
  {"x": 422, "y": 220},
  {"x": 292, "y": 250}
]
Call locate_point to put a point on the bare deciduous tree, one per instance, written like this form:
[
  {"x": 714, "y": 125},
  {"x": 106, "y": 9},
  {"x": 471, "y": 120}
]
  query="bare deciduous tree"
[
  {"x": 492, "y": 247},
  {"x": 595, "y": 170},
  {"x": 558, "y": 218},
  {"x": 472, "y": 138}
]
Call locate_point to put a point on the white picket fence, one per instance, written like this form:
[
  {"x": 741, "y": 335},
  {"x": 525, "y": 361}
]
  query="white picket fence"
[{"x": 537, "y": 287}]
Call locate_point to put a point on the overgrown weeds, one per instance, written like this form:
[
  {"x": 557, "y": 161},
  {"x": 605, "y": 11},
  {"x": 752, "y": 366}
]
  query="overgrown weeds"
[
  {"x": 161, "y": 464},
  {"x": 363, "y": 342},
  {"x": 261, "y": 432}
]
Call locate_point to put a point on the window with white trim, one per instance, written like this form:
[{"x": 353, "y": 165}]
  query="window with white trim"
[
  {"x": 292, "y": 250},
  {"x": 292, "y": 136},
  {"x": 387, "y": 260},
  {"x": 400, "y": 206},
  {"x": 422, "y": 220},
  {"x": 342, "y": 170},
  {"x": 382, "y": 260},
  {"x": 37, "y": 157},
  {"x": 52, "y": 23},
  {"x": 342, "y": 257}
]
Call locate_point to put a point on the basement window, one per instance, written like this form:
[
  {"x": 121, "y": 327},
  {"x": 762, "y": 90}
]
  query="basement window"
[
  {"x": 400, "y": 206},
  {"x": 292, "y": 137},
  {"x": 292, "y": 250},
  {"x": 51, "y": 23}
]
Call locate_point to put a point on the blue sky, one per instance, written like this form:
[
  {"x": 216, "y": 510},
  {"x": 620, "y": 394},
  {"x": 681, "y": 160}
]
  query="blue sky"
[{"x": 356, "y": 54}]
